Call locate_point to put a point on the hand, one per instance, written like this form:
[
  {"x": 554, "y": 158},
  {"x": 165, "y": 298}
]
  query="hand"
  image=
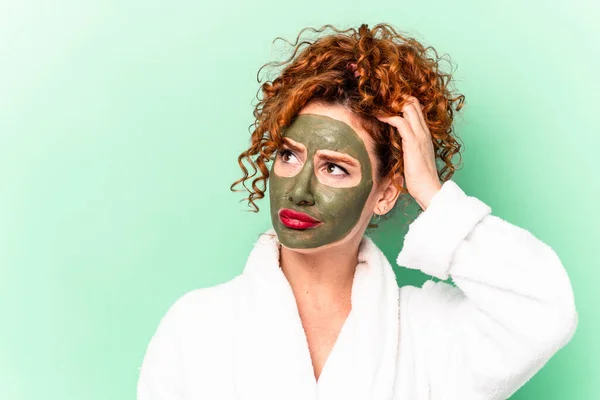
[{"x": 420, "y": 171}]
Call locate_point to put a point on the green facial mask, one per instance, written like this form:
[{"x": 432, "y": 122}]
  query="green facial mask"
[{"x": 304, "y": 183}]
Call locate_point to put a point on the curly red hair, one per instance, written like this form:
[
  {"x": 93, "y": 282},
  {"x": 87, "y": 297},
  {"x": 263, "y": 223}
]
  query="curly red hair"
[{"x": 389, "y": 66}]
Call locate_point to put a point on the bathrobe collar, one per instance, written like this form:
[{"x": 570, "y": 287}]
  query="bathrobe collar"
[{"x": 271, "y": 355}]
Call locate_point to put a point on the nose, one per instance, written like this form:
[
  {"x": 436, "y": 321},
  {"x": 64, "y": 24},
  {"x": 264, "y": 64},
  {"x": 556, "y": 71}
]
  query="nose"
[{"x": 302, "y": 192}]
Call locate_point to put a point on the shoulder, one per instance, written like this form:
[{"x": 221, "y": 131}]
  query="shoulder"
[
  {"x": 428, "y": 317},
  {"x": 202, "y": 308},
  {"x": 431, "y": 293},
  {"x": 430, "y": 304},
  {"x": 193, "y": 339}
]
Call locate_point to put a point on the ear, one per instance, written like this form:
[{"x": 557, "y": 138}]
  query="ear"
[{"x": 388, "y": 195}]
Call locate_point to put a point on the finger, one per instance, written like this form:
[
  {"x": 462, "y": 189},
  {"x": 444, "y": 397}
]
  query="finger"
[
  {"x": 411, "y": 108},
  {"x": 419, "y": 107},
  {"x": 410, "y": 113},
  {"x": 413, "y": 102},
  {"x": 402, "y": 125}
]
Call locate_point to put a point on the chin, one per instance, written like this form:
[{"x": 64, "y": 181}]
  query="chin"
[{"x": 305, "y": 241}]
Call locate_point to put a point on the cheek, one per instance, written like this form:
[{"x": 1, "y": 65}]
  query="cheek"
[
  {"x": 338, "y": 180},
  {"x": 286, "y": 170},
  {"x": 279, "y": 187},
  {"x": 341, "y": 203}
]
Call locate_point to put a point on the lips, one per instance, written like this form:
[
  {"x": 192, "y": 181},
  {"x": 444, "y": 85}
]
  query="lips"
[{"x": 297, "y": 220}]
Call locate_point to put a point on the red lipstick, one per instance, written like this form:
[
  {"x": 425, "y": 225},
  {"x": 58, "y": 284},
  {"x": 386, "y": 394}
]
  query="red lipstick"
[{"x": 297, "y": 220}]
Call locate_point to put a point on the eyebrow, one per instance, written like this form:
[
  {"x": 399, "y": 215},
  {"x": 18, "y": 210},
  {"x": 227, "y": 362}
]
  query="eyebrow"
[
  {"x": 332, "y": 156},
  {"x": 339, "y": 157},
  {"x": 294, "y": 145}
]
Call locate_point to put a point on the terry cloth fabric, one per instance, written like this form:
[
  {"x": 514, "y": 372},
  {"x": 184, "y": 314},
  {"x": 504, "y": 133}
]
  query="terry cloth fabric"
[{"x": 511, "y": 310}]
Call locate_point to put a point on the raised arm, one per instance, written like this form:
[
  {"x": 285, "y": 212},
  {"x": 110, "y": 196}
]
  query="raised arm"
[{"x": 513, "y": 306}]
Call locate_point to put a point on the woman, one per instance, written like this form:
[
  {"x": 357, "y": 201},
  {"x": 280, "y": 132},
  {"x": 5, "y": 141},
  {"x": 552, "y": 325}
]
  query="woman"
[{"x": 352, "y": 122}]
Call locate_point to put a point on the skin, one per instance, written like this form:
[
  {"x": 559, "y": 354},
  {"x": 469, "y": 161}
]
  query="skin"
[
  {"x": 305, "y": 180},
  {"x": 321, "y": 274},
  {"x": 319, "y": 263}
]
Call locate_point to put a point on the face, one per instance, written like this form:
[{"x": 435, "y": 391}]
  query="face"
[{"x": 321, "y": 180}]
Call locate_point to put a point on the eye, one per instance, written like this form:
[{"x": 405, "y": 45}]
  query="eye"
[
  {"x": 285, "y": 152},
  {"x": 332, "y": 165}
]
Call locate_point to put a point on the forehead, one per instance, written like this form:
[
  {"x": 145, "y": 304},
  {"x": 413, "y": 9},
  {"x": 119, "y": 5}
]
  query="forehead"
[{"x": 317, "y": 131}]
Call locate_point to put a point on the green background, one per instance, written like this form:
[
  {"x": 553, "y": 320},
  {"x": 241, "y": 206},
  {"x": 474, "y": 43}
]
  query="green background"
[{"x": 120, "y": 127}]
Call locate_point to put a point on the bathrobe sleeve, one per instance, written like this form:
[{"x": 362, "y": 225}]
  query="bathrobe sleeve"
[{"x": 512, "y": 308}]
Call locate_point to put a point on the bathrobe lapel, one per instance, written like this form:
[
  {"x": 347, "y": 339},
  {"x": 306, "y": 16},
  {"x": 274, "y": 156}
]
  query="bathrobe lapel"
[{"x": 271, "y": 355}]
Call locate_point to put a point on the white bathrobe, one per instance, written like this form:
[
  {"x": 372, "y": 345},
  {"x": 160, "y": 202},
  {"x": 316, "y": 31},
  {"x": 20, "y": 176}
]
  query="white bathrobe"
[{"x": 511, "y": 310}]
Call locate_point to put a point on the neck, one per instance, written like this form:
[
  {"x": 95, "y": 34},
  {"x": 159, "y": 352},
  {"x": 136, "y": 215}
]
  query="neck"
[{"x": 323, "y": 279}]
